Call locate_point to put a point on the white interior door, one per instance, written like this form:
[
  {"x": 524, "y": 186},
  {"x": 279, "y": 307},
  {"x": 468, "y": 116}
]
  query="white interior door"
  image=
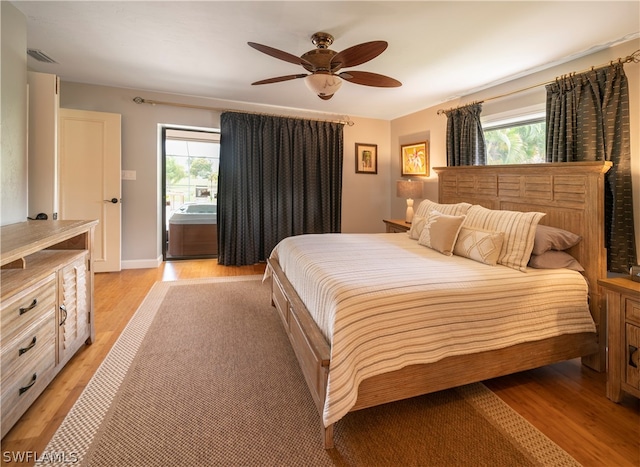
[{"x": 90, "y": 179}]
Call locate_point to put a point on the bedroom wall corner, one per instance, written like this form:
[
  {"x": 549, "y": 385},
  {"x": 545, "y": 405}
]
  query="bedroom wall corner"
[
  {"x": 366, "y": 197},
  {"x": 424, "y": 125}
]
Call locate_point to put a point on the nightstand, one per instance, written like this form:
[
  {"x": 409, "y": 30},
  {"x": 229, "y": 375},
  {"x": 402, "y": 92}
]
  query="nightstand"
[
  {"x": 396, "y": 225},
  {"x": 623, "y": 335}
]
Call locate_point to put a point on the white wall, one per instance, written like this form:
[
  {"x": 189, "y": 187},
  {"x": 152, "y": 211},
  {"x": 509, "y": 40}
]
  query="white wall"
[
  {"x": 13, "y": 136},
  {"x": 429, "y": 123}
]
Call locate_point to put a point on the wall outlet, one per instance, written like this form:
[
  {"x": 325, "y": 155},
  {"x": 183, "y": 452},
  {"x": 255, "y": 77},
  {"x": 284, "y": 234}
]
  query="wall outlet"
[{"x": 128, "y": 175}]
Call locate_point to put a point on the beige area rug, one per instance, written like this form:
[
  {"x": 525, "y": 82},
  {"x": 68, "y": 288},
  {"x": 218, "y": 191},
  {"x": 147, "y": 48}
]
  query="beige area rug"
[{"x": 203, "y": 375}]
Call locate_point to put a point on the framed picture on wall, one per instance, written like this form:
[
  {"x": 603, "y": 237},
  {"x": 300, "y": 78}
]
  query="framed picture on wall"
[
  {"x": 366, "y": 158},
  {"x": 414, "y": 159}
]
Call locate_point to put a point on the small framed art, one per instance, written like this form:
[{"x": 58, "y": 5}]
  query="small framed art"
[
  {"x": 415, "y": 159},
  {"x": 366, "y": 158}
]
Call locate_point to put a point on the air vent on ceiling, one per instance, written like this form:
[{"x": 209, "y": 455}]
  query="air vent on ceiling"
[{"x": 40, "y": 56}]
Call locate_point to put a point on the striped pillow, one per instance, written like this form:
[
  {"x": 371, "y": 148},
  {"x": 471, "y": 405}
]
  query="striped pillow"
[
  {"x": 519, "y": 232},
  {"x": 417, "y": 224},
  {"x": 426, "y": 206},
  {"x": 457, "y": 209}
]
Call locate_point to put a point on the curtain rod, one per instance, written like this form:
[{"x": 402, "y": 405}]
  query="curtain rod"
[
  {"x": 139, "y": 100},
  {"x": 634, "y": 57}
]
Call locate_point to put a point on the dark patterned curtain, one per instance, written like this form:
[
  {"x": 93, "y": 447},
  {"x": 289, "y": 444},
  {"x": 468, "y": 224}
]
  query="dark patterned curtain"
[
  {"x": 588, "y": 120},
  {"x": 278, "y": 177},
  {"x": 465, "y": 138}
]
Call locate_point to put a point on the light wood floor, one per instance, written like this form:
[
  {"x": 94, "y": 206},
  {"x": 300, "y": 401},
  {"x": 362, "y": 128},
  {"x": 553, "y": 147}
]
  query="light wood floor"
[{"x": 565, "y": 401}]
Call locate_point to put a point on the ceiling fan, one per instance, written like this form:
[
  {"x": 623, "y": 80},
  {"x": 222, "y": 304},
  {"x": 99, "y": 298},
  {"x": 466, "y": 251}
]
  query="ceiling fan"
[{"x": 324, "y": 65}]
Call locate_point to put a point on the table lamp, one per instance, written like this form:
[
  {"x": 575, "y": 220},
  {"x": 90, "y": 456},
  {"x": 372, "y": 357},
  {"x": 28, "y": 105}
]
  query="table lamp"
[{"x": 409, "y": 189}]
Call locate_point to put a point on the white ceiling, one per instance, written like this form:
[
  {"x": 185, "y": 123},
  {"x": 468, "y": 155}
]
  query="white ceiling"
[{"x": 438, "y": 50}]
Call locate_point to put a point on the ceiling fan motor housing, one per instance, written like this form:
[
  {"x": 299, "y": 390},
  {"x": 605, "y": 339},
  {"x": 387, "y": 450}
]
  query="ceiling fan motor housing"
[{"x": 319, "y": 60}]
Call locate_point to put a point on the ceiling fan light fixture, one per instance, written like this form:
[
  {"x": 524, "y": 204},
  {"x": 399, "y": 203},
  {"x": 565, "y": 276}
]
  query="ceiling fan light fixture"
[{"x": 323, "y": 83}]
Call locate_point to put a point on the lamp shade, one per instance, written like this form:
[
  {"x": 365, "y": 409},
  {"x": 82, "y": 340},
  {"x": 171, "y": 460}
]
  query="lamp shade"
[
  {"x": 409, "y": 189},
  {"x": 323, "y": 83}
]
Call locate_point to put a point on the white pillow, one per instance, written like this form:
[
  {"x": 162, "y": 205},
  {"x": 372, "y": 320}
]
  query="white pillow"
[
  {"x": 519, "y": 230},
  {"x": 440, "y": 232}
]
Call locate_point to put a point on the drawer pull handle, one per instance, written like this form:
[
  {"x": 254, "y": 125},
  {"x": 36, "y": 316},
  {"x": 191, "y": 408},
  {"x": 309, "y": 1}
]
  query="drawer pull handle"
[
  {"x": 30, "y": 307},
  {"x": 64, "y": 316},
  {"x": 632, "y": 350},
  {"x": 24, "y": 389},
  {"x": 27, "y": 348}
]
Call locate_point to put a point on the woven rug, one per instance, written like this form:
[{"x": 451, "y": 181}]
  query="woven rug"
[{"x": 204, "y": 375}]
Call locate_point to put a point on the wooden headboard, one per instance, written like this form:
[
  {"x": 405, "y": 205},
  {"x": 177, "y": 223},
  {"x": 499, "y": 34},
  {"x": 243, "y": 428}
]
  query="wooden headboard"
[{"x": 572, "y": 196}]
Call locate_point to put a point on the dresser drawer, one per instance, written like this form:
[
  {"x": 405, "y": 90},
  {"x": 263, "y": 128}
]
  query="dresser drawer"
[
  {"x": 28, "y": 306},
  {"x": 632, "y": 310},
  {"x": 21, "y": 388},
  {"x": 20, "y": 353}
]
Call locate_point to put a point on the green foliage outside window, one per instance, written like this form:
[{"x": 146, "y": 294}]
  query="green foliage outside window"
[
  {"x": 201, "y": 168},
  {"x": 174, "y": 171},
  {"x": 521, "y": 144}
]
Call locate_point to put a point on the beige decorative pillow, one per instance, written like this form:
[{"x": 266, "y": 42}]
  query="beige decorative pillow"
[
  {"x": 440, "y": 232},
  {"x": 417, "y": 224},
  {"x": 479, "y": 245},
  {"x": 519, "y": 232},
  {"x": 426, "y": 206}
]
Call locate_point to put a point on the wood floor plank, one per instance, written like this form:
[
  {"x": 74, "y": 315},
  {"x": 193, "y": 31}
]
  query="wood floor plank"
[{"x": 565, "y": 401}]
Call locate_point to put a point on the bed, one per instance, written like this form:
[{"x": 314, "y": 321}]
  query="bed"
[{"x": 322, "y": 293}]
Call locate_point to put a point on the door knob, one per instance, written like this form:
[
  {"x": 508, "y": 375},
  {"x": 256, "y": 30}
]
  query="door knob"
[{"x": 112, "y": 200}]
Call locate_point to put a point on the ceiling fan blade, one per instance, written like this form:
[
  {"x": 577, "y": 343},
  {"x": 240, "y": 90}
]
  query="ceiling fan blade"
[
  {"x": 358, "y": 54},
  {"x": 279, "y": 78},
  {"x": 280, "y": 54},
  {"x": 370, "y": 79}
]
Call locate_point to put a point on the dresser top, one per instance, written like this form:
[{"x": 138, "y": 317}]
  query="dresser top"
[
  {"x": 621, "y": 284},
  {"x": 24, "y": 238}
]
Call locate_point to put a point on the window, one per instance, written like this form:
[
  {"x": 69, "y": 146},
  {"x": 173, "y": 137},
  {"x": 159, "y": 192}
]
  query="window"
[
  {"x": 519, "y": 139},
  {"x": 191, "y": 167}
]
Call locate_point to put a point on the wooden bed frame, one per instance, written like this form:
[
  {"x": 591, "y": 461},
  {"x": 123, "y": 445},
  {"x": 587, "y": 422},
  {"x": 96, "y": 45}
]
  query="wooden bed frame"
[{"x": 571, "y": 195}]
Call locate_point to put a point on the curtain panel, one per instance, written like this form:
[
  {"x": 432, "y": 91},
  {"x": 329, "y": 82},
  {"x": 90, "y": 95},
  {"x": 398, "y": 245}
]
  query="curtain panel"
[
  {"x": 465, "y": 137},
  {"x": 278, "y": 177},
  {"x": 588, "y": 120}
]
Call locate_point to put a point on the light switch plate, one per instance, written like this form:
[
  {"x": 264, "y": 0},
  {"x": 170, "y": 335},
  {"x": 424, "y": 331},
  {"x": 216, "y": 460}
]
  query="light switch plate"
[{"x": 128, "y": 175}]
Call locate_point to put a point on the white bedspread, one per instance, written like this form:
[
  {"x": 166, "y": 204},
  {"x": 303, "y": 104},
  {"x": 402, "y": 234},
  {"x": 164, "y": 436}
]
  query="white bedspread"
[{"x": 384, "y": 302}]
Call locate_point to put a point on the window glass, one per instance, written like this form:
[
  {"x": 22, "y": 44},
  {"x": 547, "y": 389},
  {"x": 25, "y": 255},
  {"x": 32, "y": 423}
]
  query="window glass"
[
  {"x": 191, "y": 167},
  {"x": 516, "y": 143}
]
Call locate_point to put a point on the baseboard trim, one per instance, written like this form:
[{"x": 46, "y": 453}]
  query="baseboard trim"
[{"x": 141, "y": 263}]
